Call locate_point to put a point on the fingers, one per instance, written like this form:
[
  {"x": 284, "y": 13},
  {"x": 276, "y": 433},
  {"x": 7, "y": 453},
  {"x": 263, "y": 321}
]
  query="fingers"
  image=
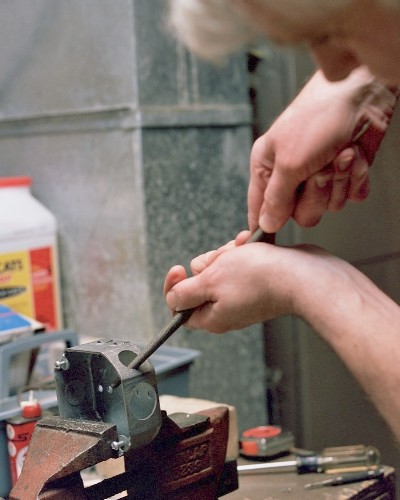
[
  {"x": 180, "y": 291},
  {"x": 261, "y": 165},
  {"x": 346, "y": 178},
  {"x": 242, "y": 238},
  {"x": 186, "y": 294},
  {"x": 314, "y": 199},
  {"x": 279, "y": 201},
  {"x": 174, "y": 276},
  {"x": 199, "y": 263},
  {"x": 359, "y": 181},
  {"x": 342, "y": 167},
  {"x": 255, "y": 197}
]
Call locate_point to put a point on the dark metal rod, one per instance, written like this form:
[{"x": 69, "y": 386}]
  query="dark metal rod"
[
  {"x": 260, "y": 236},
  {"x": 176, "y": 322},
  {"x": 181, "y": 317}
]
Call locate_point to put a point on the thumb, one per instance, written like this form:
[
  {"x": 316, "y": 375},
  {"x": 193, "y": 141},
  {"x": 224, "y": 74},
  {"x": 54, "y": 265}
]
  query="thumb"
[{"x": 279, "y": 201}]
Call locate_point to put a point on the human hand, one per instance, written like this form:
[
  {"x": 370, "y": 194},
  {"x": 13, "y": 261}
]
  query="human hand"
[
  {"x": 238, "y": 285},
  {"x": 307, "y": 162}
]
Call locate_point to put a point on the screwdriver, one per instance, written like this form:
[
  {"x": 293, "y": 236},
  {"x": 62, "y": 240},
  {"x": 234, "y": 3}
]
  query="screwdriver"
[
  {"x": 181, "y": 317},
  {"x": 331, "y": 460},
  {"x": 347, "y": 478}
]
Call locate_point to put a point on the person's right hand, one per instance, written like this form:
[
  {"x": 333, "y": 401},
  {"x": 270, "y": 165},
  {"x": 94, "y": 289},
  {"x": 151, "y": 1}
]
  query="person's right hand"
[{"x": 308, "y": 161}]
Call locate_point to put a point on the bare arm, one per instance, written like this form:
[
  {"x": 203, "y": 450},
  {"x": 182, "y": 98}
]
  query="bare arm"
[
  {"x": 257, "y": 282},
  {"x": 362, "y": 325}
]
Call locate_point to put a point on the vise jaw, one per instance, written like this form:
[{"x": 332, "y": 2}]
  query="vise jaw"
[
  {"x": 109, "y": 409},
  {"x": 85, "y": 391}
]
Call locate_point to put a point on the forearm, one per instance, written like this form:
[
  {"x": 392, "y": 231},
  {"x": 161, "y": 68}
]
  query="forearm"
[
  {"x": 363, "y": 326},
  {"x": 241, "y": 285}
]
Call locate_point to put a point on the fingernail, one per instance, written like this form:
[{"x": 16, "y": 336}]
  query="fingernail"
[
  {"x": 344, "y": 164},
  {"x": 322, "y": 180},
  {"x": 268, "y": 224},
  {"x": 363, "y": 170}
]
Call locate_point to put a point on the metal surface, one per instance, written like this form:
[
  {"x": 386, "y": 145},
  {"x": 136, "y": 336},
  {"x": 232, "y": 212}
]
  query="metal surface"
[
  {"x": 84, "y": 377},
  {"x": 193, "y": 458},
  {"x": 60, "y": 448},
  {"x": 349, "y": 478},
  {"x": 99, "y": 422},
  {"x": 176, "y": 322},
  {"x": 186, "y": 460}
]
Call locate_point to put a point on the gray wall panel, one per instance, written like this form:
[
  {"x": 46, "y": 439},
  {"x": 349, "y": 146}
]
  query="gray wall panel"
[
  {"x": 141, "y": 151},
  {"x": 63, "y": 57},
  {"x": 90, "y": 183},
  {"x": 185, "y": 79}
]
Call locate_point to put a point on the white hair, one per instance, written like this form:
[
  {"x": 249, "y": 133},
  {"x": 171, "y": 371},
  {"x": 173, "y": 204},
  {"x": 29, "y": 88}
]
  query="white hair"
[
  {"x": 214, "y": 28},
  {"x": 210, "y": 28}
]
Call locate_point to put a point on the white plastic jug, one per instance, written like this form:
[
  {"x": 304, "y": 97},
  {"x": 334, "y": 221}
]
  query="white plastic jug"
[{"x": 29, "y": 274}]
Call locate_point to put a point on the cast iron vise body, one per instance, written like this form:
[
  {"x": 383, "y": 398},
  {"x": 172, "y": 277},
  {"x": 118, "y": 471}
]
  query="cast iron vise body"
[{"x": 166, "y": 458}]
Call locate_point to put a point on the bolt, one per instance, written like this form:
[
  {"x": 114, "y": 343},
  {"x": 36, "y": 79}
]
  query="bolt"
[
  {"x": 62, "y": 365},
  {"x": 122, "y": 445}
]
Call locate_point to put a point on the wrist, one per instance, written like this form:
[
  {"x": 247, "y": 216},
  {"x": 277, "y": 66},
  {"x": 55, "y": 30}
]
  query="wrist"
[
  {"x": 359, "y": 78},
  {"x": 325, "y": 287}
]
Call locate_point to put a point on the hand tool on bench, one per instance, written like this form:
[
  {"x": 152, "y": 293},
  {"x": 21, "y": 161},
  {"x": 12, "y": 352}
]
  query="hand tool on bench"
[{"x": 331, "y": 460}]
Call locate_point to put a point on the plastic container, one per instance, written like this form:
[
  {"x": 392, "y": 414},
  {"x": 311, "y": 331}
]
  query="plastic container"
[
  {"x": 10, "y": 406},
  {"x": 19, "y": 432},
  {"x": 172, "y": 365},
  {"x": 29, "y": 276}
]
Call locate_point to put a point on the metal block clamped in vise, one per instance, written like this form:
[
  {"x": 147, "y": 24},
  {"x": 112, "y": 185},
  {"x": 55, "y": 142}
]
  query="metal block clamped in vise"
[
  {"x": 85, "y": 377},
  {"x": 175, "y": 457}
]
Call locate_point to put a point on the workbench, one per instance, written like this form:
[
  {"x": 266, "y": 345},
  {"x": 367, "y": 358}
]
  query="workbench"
[{"x": 290, "y": 485}]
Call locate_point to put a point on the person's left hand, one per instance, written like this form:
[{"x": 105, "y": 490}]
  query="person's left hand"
[{"x": 232, "y": 287}]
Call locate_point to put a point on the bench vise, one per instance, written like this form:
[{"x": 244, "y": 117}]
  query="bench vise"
[{"x": 181, "y": 456}]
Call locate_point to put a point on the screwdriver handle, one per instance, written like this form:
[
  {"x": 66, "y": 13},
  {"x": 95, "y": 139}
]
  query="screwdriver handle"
[{"x": 342, "y": 458}]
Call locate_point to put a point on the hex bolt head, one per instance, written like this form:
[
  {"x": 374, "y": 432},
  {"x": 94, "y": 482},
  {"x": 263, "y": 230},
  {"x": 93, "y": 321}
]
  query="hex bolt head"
[
  {"x": 62, "y": 365},
  {"x": 122, "y": 445}
]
